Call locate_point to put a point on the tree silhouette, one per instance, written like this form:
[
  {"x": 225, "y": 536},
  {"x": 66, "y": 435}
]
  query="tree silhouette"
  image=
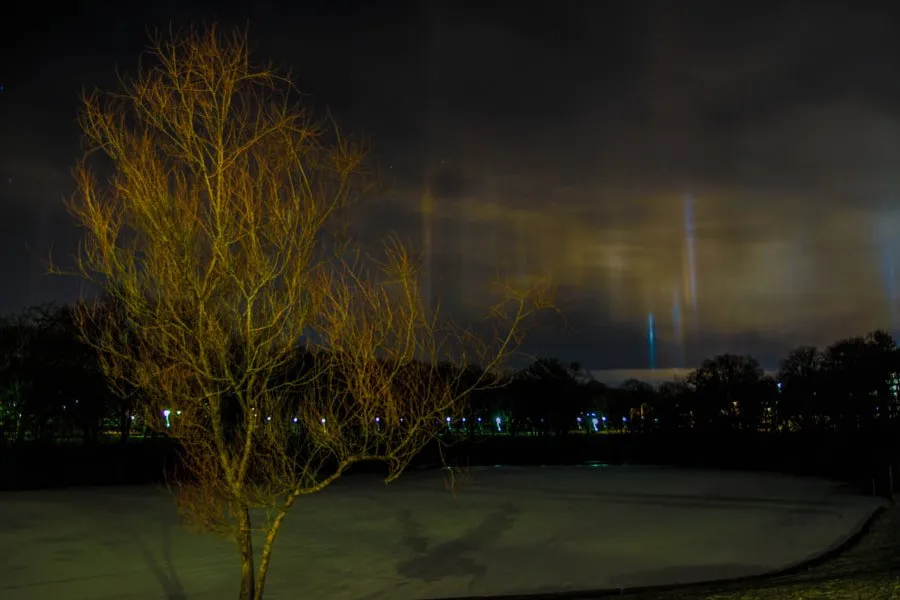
[
  {"x": 551, "y": 391},
  {"x": 675, "y": 405},
  {"x": 726, "y": 388},
  {"x": 857, "y": 372},
  {"x": 641, "y": 399},
  {"x": 801, "y": 378},
  {"x": 15, "y": 335}
]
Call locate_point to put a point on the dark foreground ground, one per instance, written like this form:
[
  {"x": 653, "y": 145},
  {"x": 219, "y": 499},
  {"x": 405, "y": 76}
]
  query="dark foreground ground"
[{"x": 868, "y": 569}]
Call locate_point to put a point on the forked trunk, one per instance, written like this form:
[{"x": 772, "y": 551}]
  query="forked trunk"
[{"x": 245, "y": 547}]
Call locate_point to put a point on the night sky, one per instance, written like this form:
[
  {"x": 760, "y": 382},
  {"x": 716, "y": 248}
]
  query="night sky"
[{"x": 726, "y": 172}]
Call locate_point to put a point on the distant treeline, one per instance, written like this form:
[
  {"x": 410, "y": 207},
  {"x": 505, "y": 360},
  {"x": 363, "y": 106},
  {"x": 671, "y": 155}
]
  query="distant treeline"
[
  {"x": 867, "y": 463},
  {"x": 52, "y": 390}
]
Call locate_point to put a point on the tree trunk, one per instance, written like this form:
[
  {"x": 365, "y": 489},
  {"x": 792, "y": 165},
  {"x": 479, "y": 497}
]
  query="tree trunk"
[
  {"x": 266, "y": 556},
  {"x": 245, "y": 547},
  {"x": 124, "y": 426}
]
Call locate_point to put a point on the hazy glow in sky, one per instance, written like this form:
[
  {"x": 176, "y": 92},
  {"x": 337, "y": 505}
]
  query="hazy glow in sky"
[
  {"x": 729, "y": 170},
  {"x": 742, "y": 273}
]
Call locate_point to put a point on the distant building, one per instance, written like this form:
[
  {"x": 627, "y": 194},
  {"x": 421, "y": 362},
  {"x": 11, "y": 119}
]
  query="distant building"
[{"x": 894, "y": 400}]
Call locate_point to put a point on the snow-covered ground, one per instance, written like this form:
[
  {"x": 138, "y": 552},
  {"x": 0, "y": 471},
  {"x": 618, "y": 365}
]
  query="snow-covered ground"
[{"x": 512, "y": 530}]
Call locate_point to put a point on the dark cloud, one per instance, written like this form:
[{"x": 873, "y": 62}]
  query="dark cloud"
[{"x": 729, "y": 168}]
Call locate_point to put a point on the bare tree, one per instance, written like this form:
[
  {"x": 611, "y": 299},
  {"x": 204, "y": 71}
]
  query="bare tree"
[{"x": 255, "y": 331}]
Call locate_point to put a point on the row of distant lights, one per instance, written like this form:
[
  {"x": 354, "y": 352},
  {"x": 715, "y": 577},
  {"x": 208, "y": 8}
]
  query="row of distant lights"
[
  {"x": 595, "y": 421},
  {"x": 497, "y": 421},
  {"x": 168, "y": 413}
]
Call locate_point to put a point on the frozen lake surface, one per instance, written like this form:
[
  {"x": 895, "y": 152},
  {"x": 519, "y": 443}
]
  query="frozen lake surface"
[{"x": 512, "y": 530}]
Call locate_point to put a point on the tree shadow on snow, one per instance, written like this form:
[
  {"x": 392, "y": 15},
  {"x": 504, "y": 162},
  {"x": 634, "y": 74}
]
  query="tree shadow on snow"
[
  {"x": 163, "y": 571},
  {"x": 433, "y": 562}
]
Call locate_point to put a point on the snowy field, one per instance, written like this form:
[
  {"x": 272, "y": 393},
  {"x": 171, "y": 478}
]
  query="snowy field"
[{"x": 511, "y": 530}]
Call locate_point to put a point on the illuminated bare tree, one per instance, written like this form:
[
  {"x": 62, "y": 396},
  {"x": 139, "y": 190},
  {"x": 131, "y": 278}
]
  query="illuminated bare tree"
[{"x": 255, "y": 332}]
